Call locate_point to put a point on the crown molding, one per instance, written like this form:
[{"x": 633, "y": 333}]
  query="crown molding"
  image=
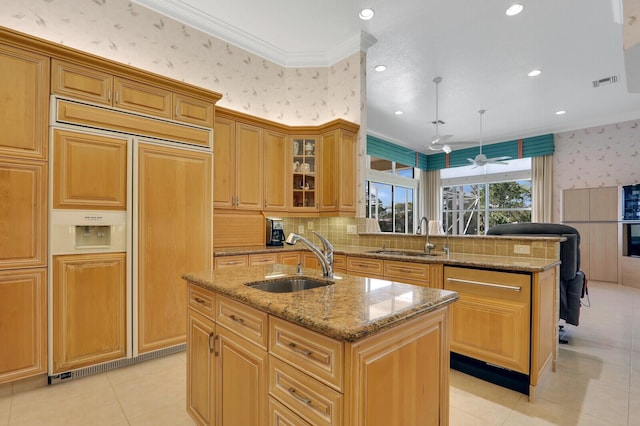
[{"x": 213, "y": 26}]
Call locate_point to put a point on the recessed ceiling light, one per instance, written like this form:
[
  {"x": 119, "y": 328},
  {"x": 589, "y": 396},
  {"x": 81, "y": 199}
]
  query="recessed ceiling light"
[
  {"x": 514, "y": 9},
  {"x": 561, "y": 112},
  {"x": 534, "y": 73},
  {"x": 399, "y": 112},
  {"x": 380, "y": 68},
  {"x": 366, "y": 14}
]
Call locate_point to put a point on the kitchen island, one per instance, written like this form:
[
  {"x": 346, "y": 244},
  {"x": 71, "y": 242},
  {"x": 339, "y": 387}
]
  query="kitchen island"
[{"x": 360, "y": 351}]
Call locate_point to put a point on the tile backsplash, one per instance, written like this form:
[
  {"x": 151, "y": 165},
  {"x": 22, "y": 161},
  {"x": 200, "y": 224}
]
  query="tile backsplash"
[{"x": 335, "y": 229}]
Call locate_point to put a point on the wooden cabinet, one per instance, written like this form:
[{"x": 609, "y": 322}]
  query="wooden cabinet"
[
  {"x": 174, "y": 235},
  {"x": 23, "y": 214},
  {"x": 365, "y": 267},
  {"x": 339, "y": 263},
  {"x": 226, "y": 370},
  {"x": 25, "y": 103},
  {"x": 338, "y": 171},
  {"x": 23, "y": 323},
  {"x": 304, "y": 174},
  {"x": 275, "y": 171},
  {"x": 89, "y": 84},
  {"x": 89, "y": 309},
  {"x": 594, "y": 213},
  {"x": 491, "y": 319},
  {"x": 289, "y": 258},
  {"x": 231, "y": 261},
  {"x": 263, "y": 259},
  {"x": 89, "y": 171},
  {"x": 241, "y": 372},
  {"x": 238, "y": 165}
]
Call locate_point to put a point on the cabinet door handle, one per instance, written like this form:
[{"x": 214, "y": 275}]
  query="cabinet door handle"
[
  {"x": 292, "y": 391},
  {"x": 109, "y": 95},
  {"x": 302, "y": 351},
  {"x": 236, "y": 319},
  {"x": 200, "y": 301},
  {"x": 212, "y": 342},
  {"x": 483, "y": 284}
]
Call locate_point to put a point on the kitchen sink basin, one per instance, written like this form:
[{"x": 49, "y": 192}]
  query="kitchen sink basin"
[
  {"x": 405, "y": 253},
  {"x": 288, "y": 285}
]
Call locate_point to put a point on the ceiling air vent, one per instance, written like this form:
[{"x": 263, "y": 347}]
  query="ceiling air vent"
[{"x": 606, "y": 80}]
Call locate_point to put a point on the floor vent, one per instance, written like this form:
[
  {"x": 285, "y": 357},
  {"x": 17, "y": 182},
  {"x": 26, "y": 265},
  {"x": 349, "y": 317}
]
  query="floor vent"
[
  {"x": 94, "y": 369},
  {"x": 603, "y": 81}
]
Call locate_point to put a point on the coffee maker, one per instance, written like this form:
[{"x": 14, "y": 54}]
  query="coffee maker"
[{"x": 275, "y": 231}]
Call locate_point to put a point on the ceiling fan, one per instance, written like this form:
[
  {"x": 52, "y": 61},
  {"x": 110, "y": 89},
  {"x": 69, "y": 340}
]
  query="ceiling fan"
[
  {"x": 438, "y": 142},
  {"x": 481, "y": 159}
]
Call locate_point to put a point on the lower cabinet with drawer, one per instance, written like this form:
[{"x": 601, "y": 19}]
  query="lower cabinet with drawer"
[
  {"x": 423, "y": 274},
  {"x": 226, "y": 361},
  {"x": 245, "y": 367},
  {"x": 505, "y": 320}
]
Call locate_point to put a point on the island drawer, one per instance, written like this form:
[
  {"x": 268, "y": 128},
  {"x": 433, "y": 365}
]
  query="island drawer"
[
  {"x": 319, "y": 356},
  {"x": 202, "y": 301},
  {"x": 245, "y": 321},
  {"x": 365, "y": 267},
  {"x": 339, "y": 262},
  {"x": 279, "y": 415},
  {"x": 406, "y": 271},
  {"x": 314, "y": 402}
]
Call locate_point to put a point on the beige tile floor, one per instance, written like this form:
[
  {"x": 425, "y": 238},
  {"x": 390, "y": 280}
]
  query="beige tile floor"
[{"x": 597, "y": 383}]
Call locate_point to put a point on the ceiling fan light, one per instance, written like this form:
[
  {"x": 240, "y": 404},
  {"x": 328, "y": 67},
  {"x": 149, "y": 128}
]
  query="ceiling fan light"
[
  {"x": 446, "y": 149},
  {"x": 514, "y": 9}
]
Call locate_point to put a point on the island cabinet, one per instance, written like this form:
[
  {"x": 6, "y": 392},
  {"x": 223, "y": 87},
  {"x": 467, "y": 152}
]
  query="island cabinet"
[
  {"x": 506, "y": 320},
  {"x": 247, "y": 367}
]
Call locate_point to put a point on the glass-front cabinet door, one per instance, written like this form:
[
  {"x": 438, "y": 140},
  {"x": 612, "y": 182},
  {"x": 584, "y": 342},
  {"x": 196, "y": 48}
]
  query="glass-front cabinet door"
[{"x": 304, "y": 173}]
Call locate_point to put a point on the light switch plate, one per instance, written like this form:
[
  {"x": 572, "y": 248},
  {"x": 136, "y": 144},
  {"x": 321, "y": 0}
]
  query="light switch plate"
[{"x": 521, "y": 249}]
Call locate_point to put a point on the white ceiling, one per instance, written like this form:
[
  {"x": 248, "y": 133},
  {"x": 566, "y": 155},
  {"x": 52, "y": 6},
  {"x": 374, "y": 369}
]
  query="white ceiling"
[{"x": 482, "y": 55}]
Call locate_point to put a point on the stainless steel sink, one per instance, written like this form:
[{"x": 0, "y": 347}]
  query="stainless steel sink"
[
  {"x": 404, "y": 253},
  {"x": 288, "y": 285}
]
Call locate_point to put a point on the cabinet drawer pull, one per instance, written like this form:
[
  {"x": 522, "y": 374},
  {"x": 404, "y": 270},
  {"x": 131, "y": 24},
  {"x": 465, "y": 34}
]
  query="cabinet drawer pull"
[
  {"x": 480, "y": 283},
  {"x": 303, "y": 351},
  {"x": 236, "y": 319},
  {"x": 199, "y": 300},
  {"x": 292, "y": 391}
]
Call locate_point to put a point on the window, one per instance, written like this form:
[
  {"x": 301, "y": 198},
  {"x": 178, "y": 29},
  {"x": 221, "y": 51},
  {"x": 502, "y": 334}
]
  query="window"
[
  {"x": 391, "y": 191},
  {"x": 474, "y": 200}
]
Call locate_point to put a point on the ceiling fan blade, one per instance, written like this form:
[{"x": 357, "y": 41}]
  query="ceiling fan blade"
[
  {"x": 504, "y": 157},
  {"x": 492, "y": 161}
]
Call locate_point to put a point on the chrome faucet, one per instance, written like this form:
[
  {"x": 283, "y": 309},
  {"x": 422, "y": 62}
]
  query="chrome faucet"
[
  {"x": 325, "y": 258},
  {"x": 427, "y": 245}
]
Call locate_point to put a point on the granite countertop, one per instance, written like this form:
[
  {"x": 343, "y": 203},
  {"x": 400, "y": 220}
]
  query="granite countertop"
[
  {"x": 503, "y": 263},
  {"x": 350, "y": 309}
]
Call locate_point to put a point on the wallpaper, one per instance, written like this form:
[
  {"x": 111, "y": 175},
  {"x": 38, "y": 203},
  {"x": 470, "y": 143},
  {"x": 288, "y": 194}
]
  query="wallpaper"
[
  {"x": 595, "y": 157},
  {"x": 128, "y": 33}
]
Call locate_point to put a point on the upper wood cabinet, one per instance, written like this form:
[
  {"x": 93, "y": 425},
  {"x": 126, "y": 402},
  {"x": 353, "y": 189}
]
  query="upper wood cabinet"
[
  {"x": 80, "y": 82},
  {"x": 590, "y": 204},
  {"x": 238, "y": 165},
  {"x": 89, "y": 171},
  {"x": 25, "y": 103},
  {"x": 23, "y": 316},
  {"x": 338, "y": 171},
  {"x": 275, "y": 181}
]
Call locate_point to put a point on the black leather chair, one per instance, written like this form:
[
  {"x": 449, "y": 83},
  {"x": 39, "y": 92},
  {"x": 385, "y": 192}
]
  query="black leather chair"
[{"x": 572, "y": 279}]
